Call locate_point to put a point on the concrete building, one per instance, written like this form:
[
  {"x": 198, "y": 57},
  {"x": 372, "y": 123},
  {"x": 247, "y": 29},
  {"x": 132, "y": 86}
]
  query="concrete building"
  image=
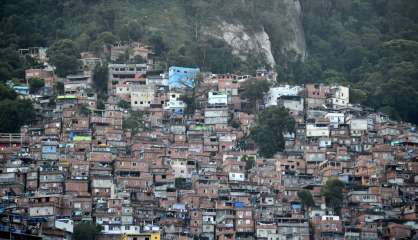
[
  {"x": 142, "y": 96},
  {"x": 275, "y": 93}
]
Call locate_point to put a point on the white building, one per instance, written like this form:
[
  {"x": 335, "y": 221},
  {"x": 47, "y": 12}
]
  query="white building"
[
  {"x": 267, "y": 231},
  {"x": 217, "y": 98},
  {"x": 64, "y": 224},
  {"x": 121, "y": 229},
  {"x": 180, "y": 169},
  {"x": 293, "y": 103},
  {"x": 313, "y": 130},
  {"x": 358, "y": 126},
  {"x": 161, "y": 80},
  {"x": 275, "y": 93},
  {"x": 123, "y": 89},
  {"x": 176, "y": 106},
  {"x": 142, "y": 96},
  {"x": 235, "y": 176},
  {"x": 330, "y": 218},
  {"x": 335, "y": 119},
  {"x": 41, "y": 211},
  {"x": 325, "y": 142},
  {"x": 339, "y": 97}
]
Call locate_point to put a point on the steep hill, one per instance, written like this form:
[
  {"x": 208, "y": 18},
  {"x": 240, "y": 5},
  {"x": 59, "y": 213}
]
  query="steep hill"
[{"x": 370, "y": 45}]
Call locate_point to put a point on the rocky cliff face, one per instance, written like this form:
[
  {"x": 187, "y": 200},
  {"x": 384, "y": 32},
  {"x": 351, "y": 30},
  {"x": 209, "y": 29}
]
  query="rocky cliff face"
[
  {"x": 295, "y": 28},
  {"x": 245, "y": 42}
]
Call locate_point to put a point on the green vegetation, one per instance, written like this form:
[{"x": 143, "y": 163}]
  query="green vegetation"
[
  {"x": 306, "y": 199},
  {"x": 269, "y": 128},
  {"x": 370, "y": 45},
  {"x": 100, "y": 78},
  {"x": 192, "y": 93},
  {"x": 86, "y": 231},
  {"x": 249, "y": 162},
  {"x": 11, "y": 66},
  {"x": 6, "y": 92},
  {"x": 135, "y": 122},
  {"x": 64, "y": 55},
  {"x": 235, "y": 123},
  {"x": 333, "y": 193},
  {"x": 124, "y": 104},
  {"x": 35, "y": 84},
  {"x": 14, "y": 112},
  {"x": 254, "y": 91},
  {"x": 59, "y": 88}
]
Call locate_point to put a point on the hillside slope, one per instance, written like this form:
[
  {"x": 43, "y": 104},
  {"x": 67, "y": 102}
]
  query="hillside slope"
[{"x": 370, "y": 45}]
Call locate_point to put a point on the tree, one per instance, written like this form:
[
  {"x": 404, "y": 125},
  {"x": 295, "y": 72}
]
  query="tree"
[
  {"x": 124, "y": 104},
  {"x": 101, "y": 46},
  {"x": 333, "y": 193},
  {"x": 306, "y": 199},
  {"x": 159, "y": 45},
  {"x": 235, "y": 123},
  {"x": 64, "y": 55},
  {"x": 11, "y": 66},
  {"x": 6, "y": 92},
  {"x": 249, "y": 162},
  {"x": 59, "y": 88},
  {"x": 357, "y": 95},
  {"x": 254, "y": 91},
  {"x": 193, "y": 91},
  {"x": 134, "y": 122},
  {"x": 14, "y": 114},
  {"x": 82, "y": 42},
  {"x": 271, "y": 124},
  {"x": 35, "y": 84},
  {"x": 100, "y": 79},
  {"x": 131, "y": 31},
  {"x": 86, "y": 231}
]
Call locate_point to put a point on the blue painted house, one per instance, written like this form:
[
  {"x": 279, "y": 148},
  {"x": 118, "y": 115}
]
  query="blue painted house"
[
  {"x": 23, "y": 90},
  {"x": 180, "y": 77}
]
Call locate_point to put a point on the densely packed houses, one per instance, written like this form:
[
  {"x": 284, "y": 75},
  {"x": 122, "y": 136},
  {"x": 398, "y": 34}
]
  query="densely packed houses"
[{"x": 184, "y": 176}]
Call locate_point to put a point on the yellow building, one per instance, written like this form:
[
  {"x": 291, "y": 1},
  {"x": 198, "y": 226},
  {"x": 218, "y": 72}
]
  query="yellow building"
[{"x": 141, "y": 236}]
